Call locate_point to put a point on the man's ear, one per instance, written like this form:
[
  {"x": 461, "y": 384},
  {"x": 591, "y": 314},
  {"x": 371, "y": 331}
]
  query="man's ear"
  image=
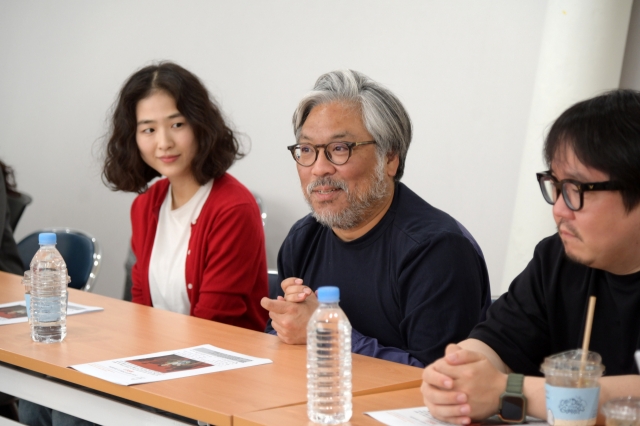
[{"x": 393, "y": 162}]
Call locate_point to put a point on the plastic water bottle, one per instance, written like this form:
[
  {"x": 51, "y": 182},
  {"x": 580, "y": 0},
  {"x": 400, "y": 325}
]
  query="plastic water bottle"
[
  {"x": 48, "y": 292},
  {"x": 26, "y": 280},
  {"x": 329, "y": 361}
]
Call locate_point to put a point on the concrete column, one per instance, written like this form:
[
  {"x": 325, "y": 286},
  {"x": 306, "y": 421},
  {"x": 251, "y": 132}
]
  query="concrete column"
[
  {"x": 581, "y": 55},
  {"x": 630, "y": 78}
]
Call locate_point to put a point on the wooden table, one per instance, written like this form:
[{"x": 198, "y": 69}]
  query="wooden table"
[
  {"x": 297, "y": 415},
  {"x": 126, "y": 329}
]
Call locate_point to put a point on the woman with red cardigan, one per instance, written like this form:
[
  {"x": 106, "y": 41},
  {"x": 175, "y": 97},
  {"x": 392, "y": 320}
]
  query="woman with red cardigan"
[{"x": 196, "y": 233}]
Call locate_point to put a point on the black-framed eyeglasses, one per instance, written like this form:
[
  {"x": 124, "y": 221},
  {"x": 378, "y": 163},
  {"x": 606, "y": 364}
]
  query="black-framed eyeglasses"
[
  {"x": 572, "y": 190},
  {"x": 338, "y": 153}
]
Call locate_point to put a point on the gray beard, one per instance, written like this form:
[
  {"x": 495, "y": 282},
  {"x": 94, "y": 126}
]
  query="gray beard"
[{"x": 358, "y": 204}]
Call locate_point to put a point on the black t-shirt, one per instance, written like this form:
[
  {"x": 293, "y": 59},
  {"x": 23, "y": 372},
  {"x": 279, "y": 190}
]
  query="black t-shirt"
[
  {"x": 545, "y": 309},
  {"x": 414, "y": 282}
]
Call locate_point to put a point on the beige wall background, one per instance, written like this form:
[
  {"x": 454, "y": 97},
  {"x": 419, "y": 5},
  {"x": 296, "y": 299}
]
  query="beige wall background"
[{"x": 464, "y": 69}]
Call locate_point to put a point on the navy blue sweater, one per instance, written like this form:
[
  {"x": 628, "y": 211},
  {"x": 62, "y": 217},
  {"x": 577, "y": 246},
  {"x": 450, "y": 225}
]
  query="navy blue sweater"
[{"x": 414, "y": 283}]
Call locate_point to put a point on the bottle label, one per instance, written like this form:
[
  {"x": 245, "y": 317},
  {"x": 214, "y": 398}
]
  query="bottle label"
[
  {"x": 27, "y": 304},
  {"x": 48, "y": 309}
]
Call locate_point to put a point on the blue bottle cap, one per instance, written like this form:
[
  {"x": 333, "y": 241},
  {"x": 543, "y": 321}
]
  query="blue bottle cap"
[
  {"x": 47, "y": 238},
  {"x": 328, "y": 294}
]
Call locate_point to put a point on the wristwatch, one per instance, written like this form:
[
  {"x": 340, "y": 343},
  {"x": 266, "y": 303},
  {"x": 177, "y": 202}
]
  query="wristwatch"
[{"x": 513, "y": 403}]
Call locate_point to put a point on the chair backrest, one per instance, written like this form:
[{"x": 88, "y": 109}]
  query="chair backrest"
[
  {"x": 80, "y": 251},
  {"x": 17, "y": 204},
  {"x": 128, "y": 281},
  {"x": 274, "y": 283},
  {"x": 262, "y": 207}
]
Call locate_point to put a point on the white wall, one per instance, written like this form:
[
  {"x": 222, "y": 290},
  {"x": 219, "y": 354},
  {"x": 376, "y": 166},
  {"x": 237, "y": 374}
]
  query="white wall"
[{"x": 464, "y": 70}]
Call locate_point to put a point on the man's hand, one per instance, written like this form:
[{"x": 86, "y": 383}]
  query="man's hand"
[
  {"x": 444, "y": 402},
  {"x": 461, "y": 386},
  {"x": 289, "y": 318},
  {"x": 294, "y": 290}
]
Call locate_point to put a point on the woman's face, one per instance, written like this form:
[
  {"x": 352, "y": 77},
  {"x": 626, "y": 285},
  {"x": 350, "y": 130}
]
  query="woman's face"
[{"x": 164, "y": 137}]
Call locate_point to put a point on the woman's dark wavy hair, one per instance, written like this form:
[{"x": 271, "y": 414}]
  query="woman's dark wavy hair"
[
  {"x": 217, "y": 146},
  {"x": 604, "y": 133}
]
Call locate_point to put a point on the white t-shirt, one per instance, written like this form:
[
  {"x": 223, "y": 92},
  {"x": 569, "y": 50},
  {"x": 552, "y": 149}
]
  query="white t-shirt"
[{"x": 167, "y": 282}]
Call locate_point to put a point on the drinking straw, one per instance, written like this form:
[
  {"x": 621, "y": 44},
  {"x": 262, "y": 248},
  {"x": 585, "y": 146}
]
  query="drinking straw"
[{"x": 586, "y": 337}]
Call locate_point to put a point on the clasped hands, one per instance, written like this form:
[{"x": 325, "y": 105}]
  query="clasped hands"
[
  {"x": 461, "y": 386},
  {"x": 290, "y": 314}
]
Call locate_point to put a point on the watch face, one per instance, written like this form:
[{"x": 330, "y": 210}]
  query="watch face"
[{"x": 512, "y": 408}]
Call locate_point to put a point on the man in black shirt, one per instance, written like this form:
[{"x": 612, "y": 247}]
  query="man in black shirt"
[
  {"x": 411, "y": 278},
  {"x": 593, "y": 152}
]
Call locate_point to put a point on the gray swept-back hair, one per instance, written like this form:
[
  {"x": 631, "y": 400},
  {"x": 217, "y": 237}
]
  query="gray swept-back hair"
[{"x": 383, "y": 114}]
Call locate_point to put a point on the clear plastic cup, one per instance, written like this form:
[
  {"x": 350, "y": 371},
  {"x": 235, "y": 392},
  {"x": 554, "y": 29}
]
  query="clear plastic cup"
[
  {"x": 622, "y": 411},
  {"x": 572, "y": 388}
]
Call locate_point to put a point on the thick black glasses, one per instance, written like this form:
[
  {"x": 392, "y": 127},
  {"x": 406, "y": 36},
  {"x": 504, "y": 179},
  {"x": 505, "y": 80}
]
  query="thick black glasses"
[
  {"x": 572, "y": 190},
  {"x": 338, "y": 153}
]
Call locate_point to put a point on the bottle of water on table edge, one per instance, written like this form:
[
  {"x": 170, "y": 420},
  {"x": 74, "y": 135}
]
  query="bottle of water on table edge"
[
  {"x": 48, "y": 292},
  {"x": 329, "y": 361},
  {"x": 26, "y": 281}
]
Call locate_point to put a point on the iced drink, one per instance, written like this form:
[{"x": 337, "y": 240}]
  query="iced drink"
[
  {"x": 622, "y": 411},
  {"x": 572, "y": 388}
]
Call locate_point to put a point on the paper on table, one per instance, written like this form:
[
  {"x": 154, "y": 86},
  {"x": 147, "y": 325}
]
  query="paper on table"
[
  {"x": 421, "y": 416},
  {"x": 14, "y": 312},
  {"x": 168, "y": 365},
  {"x": 406, "y": 416}
]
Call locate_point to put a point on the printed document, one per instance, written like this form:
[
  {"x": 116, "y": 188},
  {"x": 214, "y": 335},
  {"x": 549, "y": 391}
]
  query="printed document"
[
  {"x": 168, "y": 365},
  {"x": 11, "y": 313},
  {"x": 421, "y": 416},
  {"x": 406, "y": 416}
]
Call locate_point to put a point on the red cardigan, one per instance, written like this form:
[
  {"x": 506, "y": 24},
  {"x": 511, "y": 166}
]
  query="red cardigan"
[{"x": 226, "y": 268}]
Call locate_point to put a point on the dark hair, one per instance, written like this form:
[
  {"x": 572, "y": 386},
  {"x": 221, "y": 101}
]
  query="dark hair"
[
  {"x": 604, "y": 133},
  {"x": 217, "y": 150},
  {"x": 9, "y": 179}
]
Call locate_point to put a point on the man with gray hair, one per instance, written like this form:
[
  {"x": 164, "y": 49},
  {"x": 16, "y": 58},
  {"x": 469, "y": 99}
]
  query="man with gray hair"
[{"x": 411, "y": 278}]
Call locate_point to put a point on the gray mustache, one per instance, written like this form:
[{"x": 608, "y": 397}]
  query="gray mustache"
[{"x": 327, "y": 181}]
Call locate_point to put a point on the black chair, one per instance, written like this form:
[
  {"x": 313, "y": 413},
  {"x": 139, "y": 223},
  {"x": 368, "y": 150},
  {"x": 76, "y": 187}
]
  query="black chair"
[
  {"x": 128, "y": 282},
  {"x": 262, "y": 207},
  {"x": 17, "y": 204},
  {"x": 80, "y": 251},
  {"x": 274, "y": 283}
]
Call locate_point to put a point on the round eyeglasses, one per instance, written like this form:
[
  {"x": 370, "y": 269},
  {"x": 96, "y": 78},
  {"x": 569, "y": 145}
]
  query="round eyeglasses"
[
  {"x": 572, "y": 190},
  {"x": 338, "y": 153}
]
